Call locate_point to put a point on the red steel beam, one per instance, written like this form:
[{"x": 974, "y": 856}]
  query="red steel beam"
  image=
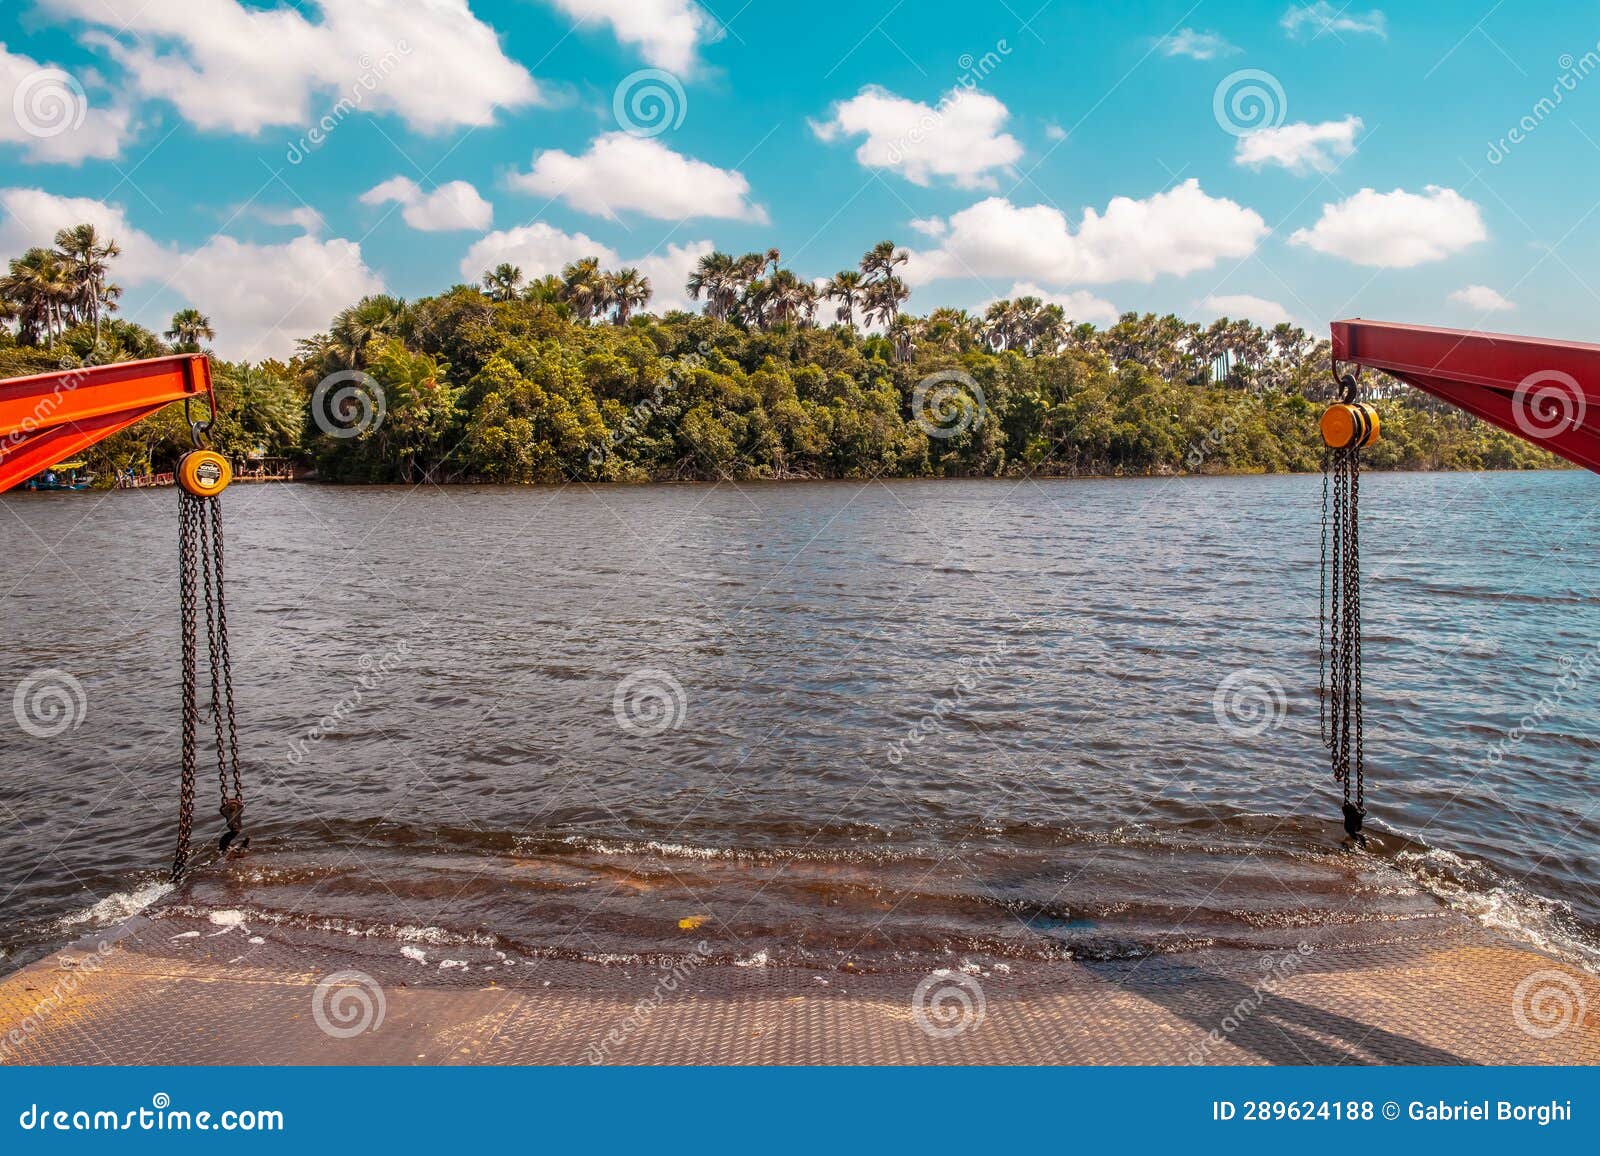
[
  {"x": 52, "y": 416},
  {"x": 1545, "y": 392}
]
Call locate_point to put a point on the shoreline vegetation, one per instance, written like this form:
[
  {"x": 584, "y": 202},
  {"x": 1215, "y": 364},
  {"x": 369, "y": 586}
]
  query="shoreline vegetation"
[{"x": 568, "y": 378}]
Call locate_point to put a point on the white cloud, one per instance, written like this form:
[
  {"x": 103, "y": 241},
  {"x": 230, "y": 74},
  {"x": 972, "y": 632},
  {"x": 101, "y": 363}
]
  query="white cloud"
[
  {"x": 30, "y": 217},
  {"x": 1300, "y": 148},
  {"x": 959, "y": 140},
  {"x": 264, "y": 298},
  {"x": 1053, "y": 131},
  {"x": 1079, "y": 305},
  {"x": 1395, "y": 230},
  {"x": 303, "y": 217},
  {"x": 230, "y": 68},
  {"x": 538, "y": 249},
  {"x": 1173, "y": 233},
  {"x": 1322, "y": 17},
  {"x": 667, "y": 32},
  {"x": 622, "y": 173},
  {"x": 669, "y": 272},
  {"x": 930, "y": 226},
  {"x": 261, "y": 298},
  {"x": 1483, "y": 299},
  {"x": 46, "y": 111},
  {"x": 455, "y": 205},
  {"x": 1240, "y": 306},
  {"x": 1195, "y": 45}
]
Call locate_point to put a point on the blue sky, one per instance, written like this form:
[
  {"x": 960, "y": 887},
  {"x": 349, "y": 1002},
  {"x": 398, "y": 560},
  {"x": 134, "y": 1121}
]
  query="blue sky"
[{"x": 1091, "y": 153}]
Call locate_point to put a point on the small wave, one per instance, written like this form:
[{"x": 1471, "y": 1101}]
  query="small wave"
[
  {"x": 116, "y": 907},
  {"x": 1500, "y": 904},
  {"x": 646, "y": 847},
  {"x": 401, "y": 932}
]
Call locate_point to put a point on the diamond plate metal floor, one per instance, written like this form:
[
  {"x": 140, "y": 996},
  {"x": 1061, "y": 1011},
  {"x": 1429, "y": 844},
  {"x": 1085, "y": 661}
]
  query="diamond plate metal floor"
[{"x": 173, "y": 991}]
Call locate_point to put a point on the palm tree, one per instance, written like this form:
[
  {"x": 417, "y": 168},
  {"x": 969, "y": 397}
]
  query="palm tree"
[
  {"x": 884, "y": 297},
  {"x": 713, "y": 279},
  {"x": 845, "y": 288},
  {"x": 879, "y": 262},
  {"x": 189, "y": 328},
  {"x": 904, "y": 331},
  {"x": 41, "y": 288},
  {"x": 747, "y": 272},
  {"x": 354, "y": 329},
  {"x": 502, "y": 282},
  {"x": 807, "y": 309},
  {"x": 583, "y": 287},
  {"x": 779, "y": 300},
  {"x": 627, "y": 290},
  {"x": 86, "y": 257},
  {"x": 546, "y": 289},
  {"x": 999, "y": 324},
  {"x": 954, "y": 329},
  {"x": 1047, "y": 331}
]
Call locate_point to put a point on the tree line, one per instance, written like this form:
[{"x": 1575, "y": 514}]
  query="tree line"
[{"x": 567, "y": 377}]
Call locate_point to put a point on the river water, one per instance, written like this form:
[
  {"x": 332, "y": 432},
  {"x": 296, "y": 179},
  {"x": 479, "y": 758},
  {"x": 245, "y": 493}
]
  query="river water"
[{"x": 849, "y": 725}]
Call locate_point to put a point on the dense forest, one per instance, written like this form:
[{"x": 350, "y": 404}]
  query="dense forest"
[{"x": 569, "y": 378}]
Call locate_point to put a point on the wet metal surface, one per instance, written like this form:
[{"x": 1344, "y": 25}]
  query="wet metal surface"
[{"x": 178, "y": 991}]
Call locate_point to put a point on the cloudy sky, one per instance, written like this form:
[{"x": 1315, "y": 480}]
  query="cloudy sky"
[{"x": 271, "y": 161}]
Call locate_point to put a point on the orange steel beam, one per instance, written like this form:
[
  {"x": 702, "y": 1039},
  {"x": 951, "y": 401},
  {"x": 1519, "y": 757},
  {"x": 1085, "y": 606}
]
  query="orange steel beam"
[
  {"x": 1545, "y": 392},
  {"x": 52, "y": 416}
]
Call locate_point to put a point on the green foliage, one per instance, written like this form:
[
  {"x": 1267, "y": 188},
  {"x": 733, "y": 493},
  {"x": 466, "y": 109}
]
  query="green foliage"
[{"x": 565, "y": 378}]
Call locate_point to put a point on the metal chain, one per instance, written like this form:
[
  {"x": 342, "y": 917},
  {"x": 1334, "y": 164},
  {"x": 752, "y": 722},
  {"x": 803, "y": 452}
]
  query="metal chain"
[
  {"x": 201, "y": 562},
  {"x": 1340, "y": 642},
  {"x": 222, "y": 643},
  {"x": 208, "y": 583},
  {"x": 1322, "y": 605},
  {"x": 1336, "y": 611},
  {"x": 188, "y": 512},
  {"x": 1353, "y": 626}
]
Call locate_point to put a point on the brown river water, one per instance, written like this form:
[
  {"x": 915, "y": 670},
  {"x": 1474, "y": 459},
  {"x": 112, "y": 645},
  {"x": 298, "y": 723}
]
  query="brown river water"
[{"x": 844, "y": 724}]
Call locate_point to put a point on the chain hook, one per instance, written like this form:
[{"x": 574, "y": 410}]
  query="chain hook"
[
  {"x": 200, "y": 431},
  {"x": 1348, "y": 384}
]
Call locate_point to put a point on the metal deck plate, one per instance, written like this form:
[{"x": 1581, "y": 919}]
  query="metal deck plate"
[{"x": 176, "y": 991}]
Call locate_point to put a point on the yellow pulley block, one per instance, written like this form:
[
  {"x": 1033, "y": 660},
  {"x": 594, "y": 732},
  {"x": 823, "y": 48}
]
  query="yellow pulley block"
[
  {"x": 1348, "y": 425},
  {"x": 204, "y": 473}
]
